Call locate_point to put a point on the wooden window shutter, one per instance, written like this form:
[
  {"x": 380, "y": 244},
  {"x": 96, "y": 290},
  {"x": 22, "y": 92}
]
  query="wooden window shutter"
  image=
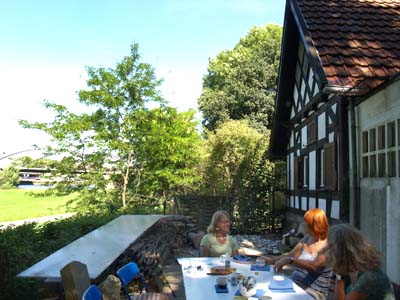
[
  {"x": 296, "y": 172},
  {"x": 311, "y": 132},
  {"x": 330, "y": 173}
]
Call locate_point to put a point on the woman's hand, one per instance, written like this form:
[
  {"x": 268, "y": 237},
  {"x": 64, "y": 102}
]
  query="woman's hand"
[
  {"x": 281, "y": 263},
  {"x": 268, "y": 260}
]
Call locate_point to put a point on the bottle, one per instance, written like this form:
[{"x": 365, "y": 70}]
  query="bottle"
[
  {"x": 227, "y": 260},
  {"x": 234, "y": 279}
]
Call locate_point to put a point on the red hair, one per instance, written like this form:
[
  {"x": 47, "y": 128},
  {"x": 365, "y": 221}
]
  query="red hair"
[{"x": 318, "y": 223}]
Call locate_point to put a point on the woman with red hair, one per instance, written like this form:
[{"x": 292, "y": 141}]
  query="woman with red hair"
[{"x": 308, "y": 258}]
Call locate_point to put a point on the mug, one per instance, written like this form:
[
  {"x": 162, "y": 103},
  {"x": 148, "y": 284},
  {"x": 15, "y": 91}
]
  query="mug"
[
  {"x": 222, "y": 282},
  {"x": 260, "y": 262}
]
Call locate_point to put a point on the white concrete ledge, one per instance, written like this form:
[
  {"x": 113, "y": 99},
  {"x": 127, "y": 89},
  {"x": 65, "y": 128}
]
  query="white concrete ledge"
[{"x": 97, "y": 249}]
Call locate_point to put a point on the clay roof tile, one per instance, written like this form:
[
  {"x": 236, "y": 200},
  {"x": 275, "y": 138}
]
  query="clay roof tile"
[{"x": 357, "y": 40}]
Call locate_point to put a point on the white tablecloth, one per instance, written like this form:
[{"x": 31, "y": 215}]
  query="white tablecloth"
[{"x": 200, "y": 286}]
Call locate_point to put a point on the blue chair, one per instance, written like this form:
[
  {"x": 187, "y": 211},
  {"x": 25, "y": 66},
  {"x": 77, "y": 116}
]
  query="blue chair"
[
  {"x": 92, "y": 293},
  {"x": 127, "y": 273}
]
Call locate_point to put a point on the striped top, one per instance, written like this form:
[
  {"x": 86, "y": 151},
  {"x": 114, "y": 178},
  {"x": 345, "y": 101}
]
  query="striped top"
[{"x": 318, "y": 281}]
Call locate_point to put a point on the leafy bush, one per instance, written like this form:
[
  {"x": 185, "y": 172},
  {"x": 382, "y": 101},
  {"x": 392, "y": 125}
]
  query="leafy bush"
[
  {"x": 9, "y": 177},
  {"x": 23, "y": 246}
]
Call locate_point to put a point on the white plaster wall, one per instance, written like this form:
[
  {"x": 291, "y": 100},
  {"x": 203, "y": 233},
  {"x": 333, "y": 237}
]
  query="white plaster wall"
[
  {"x": 322, "y": 204},
  {"x": 304, "y": 203},
  {"x": 393, "y": 234},
  {"x": 380, "y": 197},
  {"x": 334, "y": 109},
  {"x": 304, "y": 137},
  {"x": 335, "y": 209},
  {"x": 311, "y": 203},
  {"x": 381, "y": 107},
  {"x": 313, "y": 161},
  {"x": 292, "y": 139}
]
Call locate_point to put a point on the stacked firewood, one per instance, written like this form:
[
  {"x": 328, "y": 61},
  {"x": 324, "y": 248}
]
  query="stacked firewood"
[{"x": 155, "y": 246}]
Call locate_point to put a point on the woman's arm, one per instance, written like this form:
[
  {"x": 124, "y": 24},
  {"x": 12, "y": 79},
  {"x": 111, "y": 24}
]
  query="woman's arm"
[
  {"x": 340, "y": 292},
  {"x": 309, "y": 265},
  {"x": 295, "y": 252}
]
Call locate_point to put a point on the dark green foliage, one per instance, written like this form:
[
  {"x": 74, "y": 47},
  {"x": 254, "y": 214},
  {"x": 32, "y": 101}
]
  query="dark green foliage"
[
  {"x": 241, "y": 83},
  {"x": 9, "y": 177},
  {"x": 23, "y": 246}
]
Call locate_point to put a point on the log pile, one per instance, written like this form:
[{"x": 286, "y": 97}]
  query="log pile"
[{"x": 158, "y": 243}]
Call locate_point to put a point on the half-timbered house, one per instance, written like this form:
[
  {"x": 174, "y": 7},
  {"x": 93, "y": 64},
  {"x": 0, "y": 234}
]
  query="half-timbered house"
[{"x": 337, "y": 115}]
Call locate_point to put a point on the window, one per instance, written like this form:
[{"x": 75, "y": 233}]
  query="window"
[
  {"x": 381, "y": 137},
  {"x": 391, "y": 165},
  {"x": 365, "y": 142},
  {"x": 330, "y": 175},
  {"x": 382, "y": 164},
  {"x": 398, "y": 132},
  {"x": 379, "y": 149},
  {"x": 372, "y": 140},
  {"x": 391, "y": 136},
  {"x": 372, "y": 166},
  {"x": 365, "y": 168}
]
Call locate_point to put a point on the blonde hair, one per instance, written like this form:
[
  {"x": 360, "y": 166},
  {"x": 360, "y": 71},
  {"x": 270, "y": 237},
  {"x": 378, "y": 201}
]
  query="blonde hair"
[
  {"x": 216, "y": 218},
  {"x": 317, "y": 221},
  {"x": 348, "y": 251}
]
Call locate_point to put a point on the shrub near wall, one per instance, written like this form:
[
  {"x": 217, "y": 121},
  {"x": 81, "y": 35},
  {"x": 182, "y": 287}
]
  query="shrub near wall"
[{"x": 23, "y": 246}]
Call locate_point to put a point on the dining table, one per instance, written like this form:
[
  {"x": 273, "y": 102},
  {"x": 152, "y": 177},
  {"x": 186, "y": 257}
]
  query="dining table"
[{"x": 200, "y": 280}]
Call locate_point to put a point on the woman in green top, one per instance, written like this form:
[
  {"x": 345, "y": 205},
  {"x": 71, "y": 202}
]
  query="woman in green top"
[
  {"x": 217, "y": 241},
  {"x": 357, "y": 265}
]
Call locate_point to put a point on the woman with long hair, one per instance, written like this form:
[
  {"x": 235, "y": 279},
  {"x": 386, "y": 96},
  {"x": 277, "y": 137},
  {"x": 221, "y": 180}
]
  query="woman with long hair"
[
  {"x": 308, "y": 258},
  {"x": 217, "y": 241},
  {"x": 357, "y": 265}
]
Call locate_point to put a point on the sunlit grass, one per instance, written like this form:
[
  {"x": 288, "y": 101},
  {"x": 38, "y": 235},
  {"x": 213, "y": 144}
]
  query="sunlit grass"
[{"x": 20, "y": 204}]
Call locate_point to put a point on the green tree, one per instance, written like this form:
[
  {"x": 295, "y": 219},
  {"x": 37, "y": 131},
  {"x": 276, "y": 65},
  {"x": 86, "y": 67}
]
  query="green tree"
[
  {"x": 9, "y": 177},
  {"x": 98, "y": 148},
  {"x": 241, "y": 83},
  {"x": 167, "y": 147},
  {"x": 234, "y": 165},
  {"x": 229, "y": 155}
]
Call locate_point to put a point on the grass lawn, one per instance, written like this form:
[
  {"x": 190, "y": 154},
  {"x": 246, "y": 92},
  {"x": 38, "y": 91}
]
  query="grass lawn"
[{"x": 20, "y": 204}]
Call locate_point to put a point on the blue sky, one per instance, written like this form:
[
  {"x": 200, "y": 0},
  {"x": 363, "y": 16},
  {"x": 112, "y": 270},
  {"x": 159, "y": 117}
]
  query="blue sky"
[{"x": 46, "y": 45}]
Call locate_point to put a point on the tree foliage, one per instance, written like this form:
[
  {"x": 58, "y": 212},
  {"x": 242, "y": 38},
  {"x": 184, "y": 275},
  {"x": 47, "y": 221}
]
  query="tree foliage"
[
  {"x": 103, "y": 151},
  {"x": 230, "y": 153},
  {"x": 235, "y": 166},
  {"x": 168, "y": 148},
  {"x": 241, "y": 83},
  {"x": 9, "y": 177}
]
